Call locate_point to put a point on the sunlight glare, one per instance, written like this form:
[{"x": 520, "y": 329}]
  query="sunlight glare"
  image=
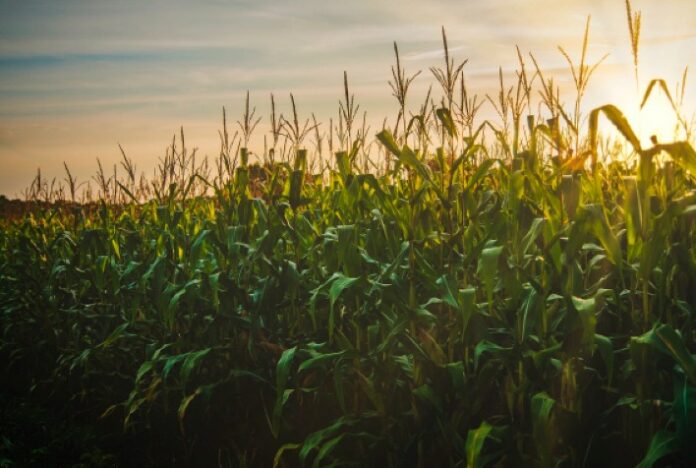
[{"x": 656, "y": 118}]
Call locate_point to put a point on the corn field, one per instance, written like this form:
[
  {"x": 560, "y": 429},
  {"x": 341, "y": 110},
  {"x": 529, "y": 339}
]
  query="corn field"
[{"x": 449, "y": 292}]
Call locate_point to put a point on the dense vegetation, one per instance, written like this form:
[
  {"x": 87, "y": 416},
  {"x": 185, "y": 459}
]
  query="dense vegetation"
[{"x": 522, "y": 301}]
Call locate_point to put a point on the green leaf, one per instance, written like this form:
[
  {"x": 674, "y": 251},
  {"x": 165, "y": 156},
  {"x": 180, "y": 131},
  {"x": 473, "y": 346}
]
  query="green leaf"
[
  {"x": 684, "y": 415},
  {"x": 533, "y": 233},
  {"x": 448, "y": 287},
  {"x": 601, "y": 229},
  {"x": 467, "y": 304},
  {"x": 387, "y": 139},
  {"x": 445, "y": 117},
  {"x": 170, "y": 363},
  {"x": 368, "y": 387},
  {"x": 543, "y": 431},
  {"x": 326, "y": 449},
  {"x": 592, "y": 218},
  {"x": 282, "y": 374},
  {"x": 144, "y": 368},
  {"x": 343, "y": 163},
  {"x": 338, "y": 285},
  {"x": 675, "y": 344},
  {"x": 586, "y": 309},
  {"x": 485, "y": 346},
  {"x": 314, "y": 439},
  {"x": 682, "y": 153},
  {"x": 197, "y": 244},
  {"x": 665, "y": 339},
  {"x": 295, "y": 191},
  {"x": 530, "y": 312},
  {"x": 410, "y": 159},
  {"x": 283, "y": 448},
  {"x": 426, "y": 394},
  {"x": 320, "y": 360},
  {"x": 488, "y": 269},
  {"x": 127, "y": 192},
  {"x": 570, "y": 191},
  {"x": 456, "y": 373},
  {"x": 482, "y": 170},
  {"x": 191, "y": 362},
  {"x": 474, "y": 444},
  {"x": 606, "y": 351},
  {"x": 662, "y": 444},
  {"x": 205, "y": 390},
  {"x": 114, "y": 336}
]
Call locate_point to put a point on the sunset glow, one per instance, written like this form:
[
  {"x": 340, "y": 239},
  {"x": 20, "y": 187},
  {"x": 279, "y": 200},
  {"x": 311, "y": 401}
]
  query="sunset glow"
[{"x": 77, "y": 78}]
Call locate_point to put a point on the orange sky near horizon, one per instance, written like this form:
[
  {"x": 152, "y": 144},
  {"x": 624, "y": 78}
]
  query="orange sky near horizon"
[{"x": 77, "y": 78}]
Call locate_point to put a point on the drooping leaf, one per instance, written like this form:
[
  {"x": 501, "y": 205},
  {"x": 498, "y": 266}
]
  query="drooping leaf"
[
  {"x": 616, "y": 117},
  {"x": 279, "y": 454},
  {"x": 313, "y": 440},
  {"x": 387, "y": 139},
  {"x": 662, "y": 444},
  {"x": 666, "y": 340},
  {"x": 191, "y": 362},
  {"x": 682, "y": 153},
  {"x": 320, "y": 360}
]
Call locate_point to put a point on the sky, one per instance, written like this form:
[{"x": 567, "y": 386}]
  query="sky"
[{"x": 80, "y": 77}]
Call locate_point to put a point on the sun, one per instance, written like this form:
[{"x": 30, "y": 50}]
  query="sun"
[{"x": 657, "y": 119}]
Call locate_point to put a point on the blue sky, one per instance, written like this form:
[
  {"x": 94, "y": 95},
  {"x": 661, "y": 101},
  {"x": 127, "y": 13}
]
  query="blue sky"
[{"x": 79, "y": 77}]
